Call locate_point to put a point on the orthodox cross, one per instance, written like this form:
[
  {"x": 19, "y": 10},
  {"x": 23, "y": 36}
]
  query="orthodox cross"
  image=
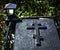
[{"x": 37, "y": 27}]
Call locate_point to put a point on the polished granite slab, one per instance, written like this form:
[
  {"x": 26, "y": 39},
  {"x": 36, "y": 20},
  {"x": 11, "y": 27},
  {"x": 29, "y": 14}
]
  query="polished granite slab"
[{"x": 24, "y": 38}]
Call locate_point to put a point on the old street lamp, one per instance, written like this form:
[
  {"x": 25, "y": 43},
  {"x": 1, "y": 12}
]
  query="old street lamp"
[{"x": 10, "y": 11}]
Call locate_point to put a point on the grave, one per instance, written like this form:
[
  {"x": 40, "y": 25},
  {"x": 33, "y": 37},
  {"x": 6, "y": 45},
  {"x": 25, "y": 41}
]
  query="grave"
[{"x": 36, "y": 34}]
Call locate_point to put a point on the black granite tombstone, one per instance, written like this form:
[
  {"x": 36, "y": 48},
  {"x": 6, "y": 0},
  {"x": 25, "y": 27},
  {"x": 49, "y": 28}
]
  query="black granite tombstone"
[{"x": 24, "y": 38}]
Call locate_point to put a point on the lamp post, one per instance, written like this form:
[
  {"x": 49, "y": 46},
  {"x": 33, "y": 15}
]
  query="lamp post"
[{"x": 10, "y": 10}]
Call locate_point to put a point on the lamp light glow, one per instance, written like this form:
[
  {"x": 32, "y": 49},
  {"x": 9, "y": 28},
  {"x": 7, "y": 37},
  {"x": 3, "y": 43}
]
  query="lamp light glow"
[{"x": 11, "y": 11}]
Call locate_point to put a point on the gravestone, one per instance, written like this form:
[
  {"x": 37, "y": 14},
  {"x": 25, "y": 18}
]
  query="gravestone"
[{"x": 24, "y": 38}]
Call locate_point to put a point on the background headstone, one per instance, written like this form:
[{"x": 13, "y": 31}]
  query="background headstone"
[{"x": 24, "y": 38}]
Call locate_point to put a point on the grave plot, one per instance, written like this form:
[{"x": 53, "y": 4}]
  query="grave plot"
[{"x": 36, "y": 34}]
